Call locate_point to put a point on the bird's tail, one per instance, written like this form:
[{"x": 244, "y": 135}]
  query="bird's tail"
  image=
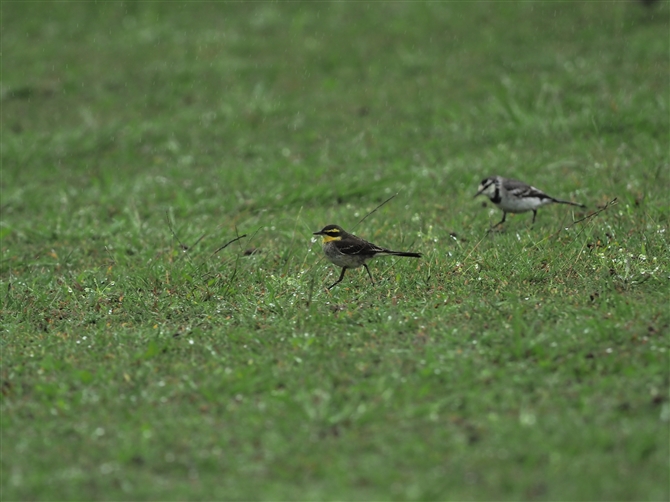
[
  {"x": 403, "y": 253},
  {"x": 559, "y": 201}
]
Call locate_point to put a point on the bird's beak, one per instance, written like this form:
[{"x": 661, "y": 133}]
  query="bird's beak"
[
  {"x": 318, "y": 233},
  {"x": 479, "y": 192}
]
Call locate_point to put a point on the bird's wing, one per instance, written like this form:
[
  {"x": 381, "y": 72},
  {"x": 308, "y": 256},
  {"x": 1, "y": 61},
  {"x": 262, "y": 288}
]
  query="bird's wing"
[
  {"x": 521, "y": 189},
  {"x": 361, "y": 247}
]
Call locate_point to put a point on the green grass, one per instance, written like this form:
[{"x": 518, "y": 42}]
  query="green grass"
[{"x": 529, "y": 363}]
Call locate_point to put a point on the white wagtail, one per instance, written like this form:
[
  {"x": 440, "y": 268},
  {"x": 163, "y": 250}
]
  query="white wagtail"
[
  {"x": 348, "y": 251},
  {"x": 512, "y": 196}
]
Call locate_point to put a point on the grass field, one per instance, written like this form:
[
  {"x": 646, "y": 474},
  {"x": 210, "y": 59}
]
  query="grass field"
[{"x": 142, "y": 362}]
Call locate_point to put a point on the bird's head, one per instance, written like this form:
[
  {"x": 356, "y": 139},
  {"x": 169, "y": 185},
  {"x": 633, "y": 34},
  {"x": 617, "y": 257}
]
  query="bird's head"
[
  {"x": 487, "y": 187},
  {"x": 331, "y": 233}
]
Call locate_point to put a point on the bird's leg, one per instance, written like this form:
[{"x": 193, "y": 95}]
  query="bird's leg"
[
  {"x": 368, "y": 270},
  {"x": 534, "y": 215},
  {"x": 501, "y": 221},
  {"x": 344, "y": 269}
]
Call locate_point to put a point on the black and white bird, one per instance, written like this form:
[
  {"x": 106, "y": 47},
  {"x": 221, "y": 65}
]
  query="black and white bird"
[{"x": 513, "y": 196}]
